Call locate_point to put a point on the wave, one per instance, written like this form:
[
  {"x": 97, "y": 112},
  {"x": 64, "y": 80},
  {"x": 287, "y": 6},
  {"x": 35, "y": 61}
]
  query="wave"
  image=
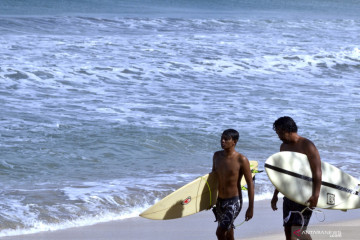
[
  {"x": 5, "y": 165},
  {"x": 171, "y": 7},
  {"x": 35, "y": 226},
  {"x": 28, "y": 224}
]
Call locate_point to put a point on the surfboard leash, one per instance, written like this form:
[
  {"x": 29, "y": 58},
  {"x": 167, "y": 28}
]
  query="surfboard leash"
[
  {"x": 238, "y": 225},
  {"x": 302, "y": 217}
]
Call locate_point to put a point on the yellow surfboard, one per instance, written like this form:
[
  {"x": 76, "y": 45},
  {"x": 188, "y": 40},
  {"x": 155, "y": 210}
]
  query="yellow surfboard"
[{"x": 194, "y": 197}]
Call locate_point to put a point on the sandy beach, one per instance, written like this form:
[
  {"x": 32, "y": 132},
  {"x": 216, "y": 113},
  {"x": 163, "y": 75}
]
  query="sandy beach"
[{"x": 266, "y": 224}]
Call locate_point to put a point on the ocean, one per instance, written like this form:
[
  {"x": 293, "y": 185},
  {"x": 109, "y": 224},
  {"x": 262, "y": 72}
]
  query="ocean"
[{"x": 108, "y": 106}]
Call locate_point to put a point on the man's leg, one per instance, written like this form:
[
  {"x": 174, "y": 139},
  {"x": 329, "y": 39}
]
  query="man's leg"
[
  {"x": 230, "y": 234},
  {"x": 221, "y": 233},
  {"x": 304, "y": 234},
  {"x": 288, "y": 233}
]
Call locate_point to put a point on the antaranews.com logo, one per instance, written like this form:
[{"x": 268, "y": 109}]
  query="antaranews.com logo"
[{"x": 327, "y": 232}]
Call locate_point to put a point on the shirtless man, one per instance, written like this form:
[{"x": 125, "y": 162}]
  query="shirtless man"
[
  {"x": 286, "y": 129},
  {"x": 229, "y": 167}
]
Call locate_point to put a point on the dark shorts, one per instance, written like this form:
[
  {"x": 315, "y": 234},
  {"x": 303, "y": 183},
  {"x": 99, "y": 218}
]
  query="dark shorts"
[
  {"x": 295, "y": 218},
  {"x": 227, "y": 210}
]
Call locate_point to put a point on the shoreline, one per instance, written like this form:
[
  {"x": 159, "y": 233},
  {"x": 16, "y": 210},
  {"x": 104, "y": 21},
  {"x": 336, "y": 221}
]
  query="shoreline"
[{"x": 266, "y": 224}]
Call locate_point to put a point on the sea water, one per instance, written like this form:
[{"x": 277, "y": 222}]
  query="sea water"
[{"x": 108, "y": 106}]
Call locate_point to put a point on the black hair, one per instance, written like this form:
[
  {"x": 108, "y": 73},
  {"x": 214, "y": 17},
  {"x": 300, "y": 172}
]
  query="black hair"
[
  {"x": 231, "y": 133},
  {"x": 286, "y": 124}
]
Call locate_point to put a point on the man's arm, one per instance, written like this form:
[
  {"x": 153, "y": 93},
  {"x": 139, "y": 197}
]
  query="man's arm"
[
  {"x": 315, "y": 166},
  {"x": 213, "y": 165},
  {"x": 274, "y": 200},
  {"x": 212, "y": 171},
  {"x": 245, "y": 165}
]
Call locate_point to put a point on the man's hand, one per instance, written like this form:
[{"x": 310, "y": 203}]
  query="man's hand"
[
  {"x": 249, "y": 214},
  {"x": 312, "y": 202},
  {"x": 273, "y": 202}
]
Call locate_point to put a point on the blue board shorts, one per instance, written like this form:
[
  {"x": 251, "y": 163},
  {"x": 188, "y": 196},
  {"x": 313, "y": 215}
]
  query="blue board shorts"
[
  {"x": 295, "y": 218},
  {"x": 227, "y": 210}
]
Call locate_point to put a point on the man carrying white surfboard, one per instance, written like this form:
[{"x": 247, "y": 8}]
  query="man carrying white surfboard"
[
  {"x": 286, "y": 129},
  {"x": 229, "y": 167}
]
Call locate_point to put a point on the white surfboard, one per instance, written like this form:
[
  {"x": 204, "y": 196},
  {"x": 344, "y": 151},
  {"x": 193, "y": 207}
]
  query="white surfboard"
[
  {"x": 290, "y": 173},
  {"x": 194, "y": 197}
]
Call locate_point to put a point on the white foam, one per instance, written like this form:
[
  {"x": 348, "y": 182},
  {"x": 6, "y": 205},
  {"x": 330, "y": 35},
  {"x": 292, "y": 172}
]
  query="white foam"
[
  {"x": 6, "y": 164},
  {"x": 38, "y": 226}
]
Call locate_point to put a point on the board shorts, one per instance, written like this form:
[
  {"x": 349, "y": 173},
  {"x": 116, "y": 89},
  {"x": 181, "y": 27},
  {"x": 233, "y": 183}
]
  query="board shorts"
[
  {"x": 295, "y": 218},
  {"x": 227, "y": 210}
]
